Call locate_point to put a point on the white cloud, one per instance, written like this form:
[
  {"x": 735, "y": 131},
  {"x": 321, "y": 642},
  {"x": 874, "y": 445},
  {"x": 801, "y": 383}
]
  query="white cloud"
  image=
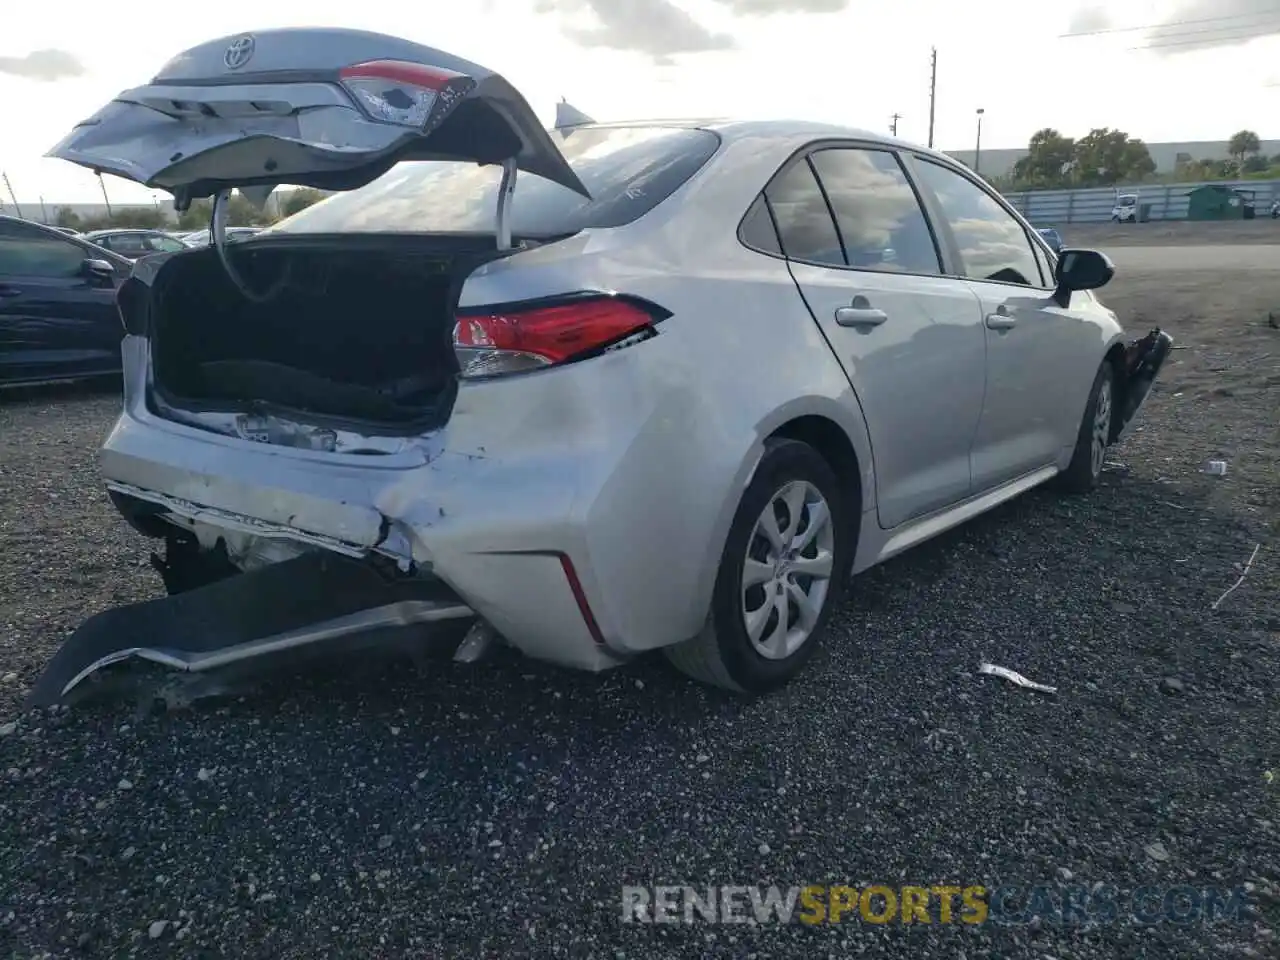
[{"x": 46, "y": 65}]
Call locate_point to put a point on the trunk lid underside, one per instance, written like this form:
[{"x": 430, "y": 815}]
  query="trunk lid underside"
[{"x": 279, "y": 106}]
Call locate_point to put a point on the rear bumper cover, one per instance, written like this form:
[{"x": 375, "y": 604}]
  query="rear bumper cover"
[
  {"x": 440, "y": 514},
  {"x": 276, "y": 610}
]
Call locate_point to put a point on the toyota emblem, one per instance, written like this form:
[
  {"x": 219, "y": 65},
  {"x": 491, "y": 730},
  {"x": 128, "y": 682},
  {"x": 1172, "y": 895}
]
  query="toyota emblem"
[{"x": 239, "y": 53}]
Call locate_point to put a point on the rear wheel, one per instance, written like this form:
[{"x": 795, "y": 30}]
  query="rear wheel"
[
  {"x": 781, "y": 573},
  {"x": 1085, "y": 470}
]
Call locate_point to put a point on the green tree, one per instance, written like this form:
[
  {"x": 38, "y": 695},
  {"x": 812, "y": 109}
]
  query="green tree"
[
  {"x": 1104, "y": 157},
  {"x": 298, "y": 200},
  {"x": 66, "y": 217},
  {"x": 142, "y": 218},
  {"x": 1243, "y": 144},
  {"x": 1049, "y": 156},
  {"x": 196, "y": 216},
  {"x": 1255, "y": 164},
  {"x": 240, "y": 213}
]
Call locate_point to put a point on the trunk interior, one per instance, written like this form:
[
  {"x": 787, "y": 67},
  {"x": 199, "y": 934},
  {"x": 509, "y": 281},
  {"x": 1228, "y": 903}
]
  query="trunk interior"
[{"x": 349, "y": 332}]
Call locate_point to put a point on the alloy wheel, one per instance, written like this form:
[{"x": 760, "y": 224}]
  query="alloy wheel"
[
  {"x": 1101, "y": 427},
  {"x": 787, "y": 570}
]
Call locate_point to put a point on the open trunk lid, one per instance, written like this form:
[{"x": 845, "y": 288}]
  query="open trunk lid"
[{"x": 326, "y": 108}]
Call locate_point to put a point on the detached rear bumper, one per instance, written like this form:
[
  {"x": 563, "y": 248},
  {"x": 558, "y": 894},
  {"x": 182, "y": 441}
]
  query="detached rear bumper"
[{"x": 277, "y": 610}]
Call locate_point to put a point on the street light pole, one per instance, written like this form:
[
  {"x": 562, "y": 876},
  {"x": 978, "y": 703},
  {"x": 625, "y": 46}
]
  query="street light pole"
[
  {"x": 977, "y": 149},
  {"x": 933, "y": 89}
]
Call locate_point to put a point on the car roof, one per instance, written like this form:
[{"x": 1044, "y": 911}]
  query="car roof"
[
  {"x": 111, "y": 230},
  {"x": 35, "y": 223},
  {"x": 781, "y": 130},
  {"x": 47, "y": 227}
]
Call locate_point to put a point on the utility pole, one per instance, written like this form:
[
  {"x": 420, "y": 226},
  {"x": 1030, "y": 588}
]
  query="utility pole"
[
  {"x": 933, "y": 89},
  {"x": 12, "y": 196},
  {"x": 893, "y": 123}
]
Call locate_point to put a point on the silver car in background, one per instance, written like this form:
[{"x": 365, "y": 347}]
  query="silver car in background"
[
  {"x": 602, "y": 390},
  {"x": 135, "y": 243},
  {"x": 202, "y": 238}
]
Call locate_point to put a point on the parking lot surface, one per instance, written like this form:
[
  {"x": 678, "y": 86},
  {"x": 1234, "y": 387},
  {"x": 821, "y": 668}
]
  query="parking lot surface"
[
  {"x": 1246, "y": 258},
  {"x": 498, "y": 809}
]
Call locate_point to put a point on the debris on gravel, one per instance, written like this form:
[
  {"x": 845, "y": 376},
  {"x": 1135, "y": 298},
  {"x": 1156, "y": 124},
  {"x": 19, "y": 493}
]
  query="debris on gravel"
[{"x": 500, "y": 808}]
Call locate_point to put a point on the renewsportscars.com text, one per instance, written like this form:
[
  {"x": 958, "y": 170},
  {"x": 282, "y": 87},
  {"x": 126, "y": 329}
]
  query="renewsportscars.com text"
[{"x": 821, "y": 904}]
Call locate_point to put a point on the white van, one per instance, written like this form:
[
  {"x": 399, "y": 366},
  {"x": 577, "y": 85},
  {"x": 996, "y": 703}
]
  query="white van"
[{"x": 1126, "y": 208}]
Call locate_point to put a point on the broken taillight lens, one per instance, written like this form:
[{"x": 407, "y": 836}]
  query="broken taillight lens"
[
  {"x": 491, "y": 342},
  {"x": 393, "y": 91}
]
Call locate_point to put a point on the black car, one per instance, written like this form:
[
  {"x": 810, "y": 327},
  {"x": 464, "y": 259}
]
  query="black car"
[{"x": 58, "y": 317}]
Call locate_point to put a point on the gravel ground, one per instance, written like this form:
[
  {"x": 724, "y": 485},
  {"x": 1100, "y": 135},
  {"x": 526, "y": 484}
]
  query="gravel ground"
[{"x": 498, "y": 809}]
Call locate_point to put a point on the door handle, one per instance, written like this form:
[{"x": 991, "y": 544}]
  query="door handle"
[
  {"x": 1000, "y": 320},
  {"x": 861, "y": 314},
  {"x": 8, "y": 291}
]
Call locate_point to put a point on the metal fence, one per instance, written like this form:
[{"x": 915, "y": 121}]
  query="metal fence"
[{"x": 1046, "y": 208}]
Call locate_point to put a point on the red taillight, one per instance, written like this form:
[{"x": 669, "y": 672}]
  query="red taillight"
[
  {"x": 580, "y": 598},
  {"x": 395, "y": 91},
  {"x": 490, "y": 342}
]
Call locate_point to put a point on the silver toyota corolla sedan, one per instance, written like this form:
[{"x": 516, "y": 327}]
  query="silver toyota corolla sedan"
[{"x": 597, "y": 390}]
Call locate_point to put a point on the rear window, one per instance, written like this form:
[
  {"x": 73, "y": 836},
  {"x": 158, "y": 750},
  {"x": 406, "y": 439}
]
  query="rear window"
[{"x": 628, "y": 171}]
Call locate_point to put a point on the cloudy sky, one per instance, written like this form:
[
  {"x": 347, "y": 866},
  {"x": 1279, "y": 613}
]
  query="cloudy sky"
[{"x": 845, "y": 61}]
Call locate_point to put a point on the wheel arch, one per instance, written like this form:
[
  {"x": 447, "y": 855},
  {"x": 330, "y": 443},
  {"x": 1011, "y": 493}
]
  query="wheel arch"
[
  {"x": 832, "y": 426},
  {"x": 834, "y": 445},
  {"x": 837, "y": 429},
  {"x": 703, "y": 656}
]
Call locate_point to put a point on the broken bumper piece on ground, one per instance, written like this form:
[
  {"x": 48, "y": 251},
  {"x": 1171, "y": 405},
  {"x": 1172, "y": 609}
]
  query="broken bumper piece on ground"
[{"x": 278, "y": 610}]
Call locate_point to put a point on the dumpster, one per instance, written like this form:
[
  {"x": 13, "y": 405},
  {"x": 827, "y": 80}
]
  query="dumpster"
[{"x": 1214, "y": 201}]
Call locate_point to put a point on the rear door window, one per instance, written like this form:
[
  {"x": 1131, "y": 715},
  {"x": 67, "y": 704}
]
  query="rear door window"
[
  {"x": 164, "y": 244},
  {"x": 125, "y": 244},
  {"x": 804, "y": 220},
  {"x": 881, "y": 223},
  {"x": 627, "y": 170}
]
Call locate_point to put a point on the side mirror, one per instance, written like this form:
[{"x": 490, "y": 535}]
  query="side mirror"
[
  {"x": 1081, "y": 270},
  {"x": 99, "y": 271}
]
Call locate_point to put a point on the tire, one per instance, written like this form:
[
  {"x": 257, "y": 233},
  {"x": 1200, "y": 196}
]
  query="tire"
[
  {"x": 1085, "y": 470},
  {"x": 724, "y": 654}
]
